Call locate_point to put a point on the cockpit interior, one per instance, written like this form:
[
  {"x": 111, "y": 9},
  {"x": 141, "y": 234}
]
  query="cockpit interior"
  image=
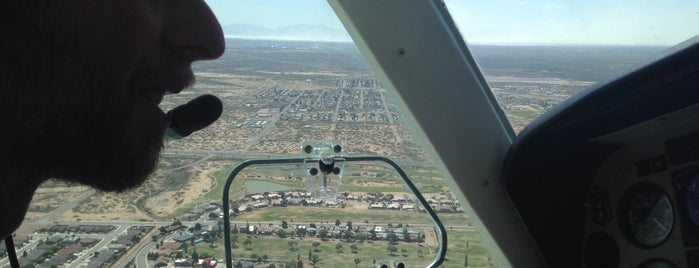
[{"x": 609, "y": 178}]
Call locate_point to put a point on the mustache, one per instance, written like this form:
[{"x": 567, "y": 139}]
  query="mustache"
[{"x": 165, "y": 69}]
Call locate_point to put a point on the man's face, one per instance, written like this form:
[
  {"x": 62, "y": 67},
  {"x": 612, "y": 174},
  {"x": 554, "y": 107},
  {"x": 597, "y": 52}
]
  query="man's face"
[{"x": 88, "y": 77}]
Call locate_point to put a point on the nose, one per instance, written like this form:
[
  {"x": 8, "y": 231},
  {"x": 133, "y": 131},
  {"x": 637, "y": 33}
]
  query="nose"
[{"x": 192, "y": 28}]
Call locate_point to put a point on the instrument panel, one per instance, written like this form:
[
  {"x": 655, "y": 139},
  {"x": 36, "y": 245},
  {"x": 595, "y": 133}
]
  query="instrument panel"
[{"x": 642, "y": 209}]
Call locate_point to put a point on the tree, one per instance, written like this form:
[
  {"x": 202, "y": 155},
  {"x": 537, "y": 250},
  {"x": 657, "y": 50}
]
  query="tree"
[
  {"x": 300, "y": 232},
  {"x": 285, "y": 224},
  {"x": 254, "y": 256},
  {"x": 235, "y": 207},
  {"x": 292, "y": 244},
  {"x": 323, "y": 234},
  {"x": 406, "y": 235},
  {"x": 281, "y": 233},
  {"x": 354, "y": 248},
  {"x": 420, "y": 238},
  {"x": 348, "y": 235},
  {"x": 466, "y": 260},
  {"x": 392, "y": 238},
  {"x": 337, "y": 222},
  {"x": 361, "y": 237},
  {"x": 197, "y": 226},
  {"x": 315, "y": 259},
  {"x": 392, "y": 249},
  {"x": 195, "y": 256},
  {"x": 357, "y": 261},
  {"x": 234, "y": 238}
]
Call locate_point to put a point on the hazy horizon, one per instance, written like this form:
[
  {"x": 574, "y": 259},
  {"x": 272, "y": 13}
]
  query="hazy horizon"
[
  {"x": 624, "y": 22},
  {"x": 305, "y": 38}
]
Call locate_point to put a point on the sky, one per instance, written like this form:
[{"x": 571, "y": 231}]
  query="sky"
[{"x": 618, "y": 22}]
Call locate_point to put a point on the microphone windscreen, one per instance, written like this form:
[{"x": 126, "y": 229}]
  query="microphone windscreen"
[{"x": 195, "y": 114}]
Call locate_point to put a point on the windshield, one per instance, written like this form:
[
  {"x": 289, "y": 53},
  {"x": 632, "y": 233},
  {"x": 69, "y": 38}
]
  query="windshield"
[
  {"x": 535, "y": 54},
  {"x": 290, "y": 74}
]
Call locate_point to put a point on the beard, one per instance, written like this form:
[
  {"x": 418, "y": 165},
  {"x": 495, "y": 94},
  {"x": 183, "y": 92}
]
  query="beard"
[
  {"x": 73, "y": 114},
  {"x": 83, "y": 126}
]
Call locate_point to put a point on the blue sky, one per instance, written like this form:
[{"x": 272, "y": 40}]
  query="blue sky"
[{"x": 643, "y": 22}]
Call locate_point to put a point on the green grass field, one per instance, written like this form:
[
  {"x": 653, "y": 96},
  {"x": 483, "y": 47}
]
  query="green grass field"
[
  {"x": 460, "y": 244},
  {"x": 287, "y": 249}
]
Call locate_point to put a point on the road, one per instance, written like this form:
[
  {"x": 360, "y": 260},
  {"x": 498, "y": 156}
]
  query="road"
[
  {"x": 136, "y": 249},
  {"x": 46, "y": 219},
  {"x": 140, "y": 251},
  {"x": 106, "y": 239},
  {"x": 248, "y": 155},
  {"x": 142, "y": 256}
]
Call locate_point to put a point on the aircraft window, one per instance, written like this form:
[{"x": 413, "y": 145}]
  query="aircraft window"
[
  {"x": 290, "y": 73},
  {"x": 536, "y": 54}
]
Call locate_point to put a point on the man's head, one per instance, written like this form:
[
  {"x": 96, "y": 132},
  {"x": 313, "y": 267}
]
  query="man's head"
[{"x": 80, "y": 83}]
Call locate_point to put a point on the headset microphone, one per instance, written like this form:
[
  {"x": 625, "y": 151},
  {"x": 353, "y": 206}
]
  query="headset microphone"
[{"x": 192, "y": 116}]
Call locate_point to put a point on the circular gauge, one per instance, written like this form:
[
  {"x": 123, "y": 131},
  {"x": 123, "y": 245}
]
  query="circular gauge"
[
  {"x": 646, "y": 215},
  {"x": 657, "y": 263}
]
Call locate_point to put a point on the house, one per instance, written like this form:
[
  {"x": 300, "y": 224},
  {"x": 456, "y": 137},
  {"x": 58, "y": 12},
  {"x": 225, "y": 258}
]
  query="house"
[
  {"x": 242, "y": 208},
  {"x": 394, "y": 206},
  {"x": 184, "y": 262},
  {"x": 331, "y": 203},
  {"x": 161, "y": 262},
  {"x": 399, "y": 199},
  {"x": 89, "y": 242},
  {"x": 443, "y": 209},
  {"x": 100, "y": 258},
  {"x": 171, "y": 245},
  {"x": 261, "y": 205},
  {"x": 183, "y": 238},
  {"x": 377, "y": 205}
]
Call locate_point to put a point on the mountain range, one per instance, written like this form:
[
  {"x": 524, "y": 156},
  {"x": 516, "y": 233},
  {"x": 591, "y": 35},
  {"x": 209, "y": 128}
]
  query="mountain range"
[{"x": 290, "y": 32}]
